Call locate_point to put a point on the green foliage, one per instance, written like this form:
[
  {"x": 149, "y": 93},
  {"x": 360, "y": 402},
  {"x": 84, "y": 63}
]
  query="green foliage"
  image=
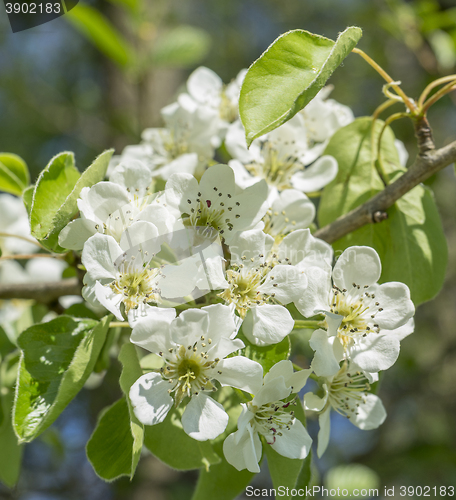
[
  {"x": 284, "y": 471},
  {"x": 54, "y": 184},
  {"x": 288, "y": 75},
  {"x": 14, "y": 174},
  {"x": 109, "y": 449},
  {"x": 100, "y": 31},
  {"x": 57, "y": 358},
  {"x": 55, "y": 195},
  {"x": 27, "y": 198},
  {"x": 11, "y": 451},
  {"x": 183, "y": 46},
  {"x": 412, "y": 237},
  {"x": 267, "y": 355}
]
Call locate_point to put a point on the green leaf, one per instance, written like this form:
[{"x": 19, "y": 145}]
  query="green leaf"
[
  {"x": 288, "y": 75},
  {"x": 27, "y": 198},
  {"x": 183, "y": 46},
  {"x": 284, "y": 471},
  {"x": 168, "y": 442},
  {"x": 96, "y": 172},
  {"x": 57, "y": 359},
  {"x": 110, "y": 448},
  {"x": 11, "y": 451},
  {"x": 54, "y": 184},
  {"x": 267, "y": 355},
  {"x": 101, "y": 33},
  {"x": 412, "y": 237},
  {"x": 14, "y": 174},
  {"x": 131, "y": 371}
]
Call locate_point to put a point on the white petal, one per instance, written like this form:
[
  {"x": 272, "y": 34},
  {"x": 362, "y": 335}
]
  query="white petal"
[
  {"x": 404, "y": 331},
  {"x": 267, "y": 324},
  {"x": 294, "y": 442},
  {"x": 109, "y": 299},
  {"x": 76, "y": 233},
  {"x": 221, "y": 322},
  {"x": 99, "y": 254},
  {"x": 189, "y": 326},
  {"x": 150, "y": 399},
  {"x": 186, "y": 163},
  {"x": 375, "y": 352},
  {"x": 316, "y": 296},
  {"x": 325, "y": 362},
  {"x": 360, "y": 265},
  {"x": 313, "y": 402},
  {"x": 140, "y": 236},
  {"x": 151, "y": 330},
  {"x": 240, "y": 372},
  {"x": 394, "y": 298},
  {"x": 204, "y": 418},
  {"x": 275, "y": 390},
  {"x": 290, "y": 283},
  {"x": 205, "y": 86},
  {"x": 371, "y": 413},
  {"x": 315, "y": 177},
  {"x": 323, "y": 435},
  {"x": 243, "y": 452}
]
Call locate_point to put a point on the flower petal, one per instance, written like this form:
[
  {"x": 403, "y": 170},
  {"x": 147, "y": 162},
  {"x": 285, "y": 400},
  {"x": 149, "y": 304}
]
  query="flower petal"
[
  {"x": 267, "y": 324},
  {"x": 151, "y": 327},
  {"x": 294, "y": 442},
  {"x": 325, "y": 362},
  {"x": 318, "y": 175},
  {"x": 204, "y": 418},
  {"x": 394, "y": 298},
  {"x": 240, "y": 372},
  {"x": 99, "y": 254},
  {"x": 323, "y": 435},
  {"x": 315, "y": 297},
  {"x": 359, "y": 265},
  {"x": 150, "y": 399},
  {"x": 370, "y": 414},
  {"x": 376, "y": 352},
  {"x": 244, "y": 451}
]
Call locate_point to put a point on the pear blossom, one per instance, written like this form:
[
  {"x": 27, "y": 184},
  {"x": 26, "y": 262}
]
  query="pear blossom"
[
  {"x": 268, "y": 414},
  {"x": 280, "y": 157},
  {"x": 291, "y": 210},
  {"x": 258, "y": 289},
  {"x": 194, "y": 347},
  {"x": 361, "y": 315},
  {"x": 323, "y": 116},
  {"x": 207, "y": 89},
  {"x": 110, "y": 207},
  {"x": 347, "y": 393},
  {"x": 124, "y": 274},
  {"x": 216, "y": 201}
]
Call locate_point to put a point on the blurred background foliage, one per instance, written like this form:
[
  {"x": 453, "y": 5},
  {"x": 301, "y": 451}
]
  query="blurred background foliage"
[{"x": 97, "y": 77}]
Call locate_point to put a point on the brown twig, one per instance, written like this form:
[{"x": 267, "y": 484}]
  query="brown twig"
[
  {"x": 426, "y": 164},
  {"x": 41, "y": 292}
]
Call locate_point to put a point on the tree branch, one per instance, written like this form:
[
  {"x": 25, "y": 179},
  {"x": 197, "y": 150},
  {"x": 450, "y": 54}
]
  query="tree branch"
[
  {"x": 41, "y": 292},
  {"x": 426, "y": 164}
]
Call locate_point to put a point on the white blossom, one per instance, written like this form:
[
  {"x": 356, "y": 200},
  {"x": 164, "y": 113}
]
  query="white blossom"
[
  {"x": 282, "y": 157},
  {"x": 194, "y": 347},
  {"x": 258, "y": 289},
  {"x": 361, "y": 314},
  {"x": 346, "y": 393},
  {"x": 269, "y": 415}
]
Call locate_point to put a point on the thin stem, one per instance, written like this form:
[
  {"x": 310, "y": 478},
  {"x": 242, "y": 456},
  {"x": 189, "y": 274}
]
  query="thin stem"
[
  {"x": 382, "y": 108},
  {"x": 33, "y": 256},
  {"x": 379, "y": 164},
  {"x": 304, "y": 323},
  {"x": 432, "y": 85},
  {"x": 121, "y": 324},
  {"x": 438, "y": 95},
  {"x": 407, "y": 101},
  {"x": 29, "y": 240}
]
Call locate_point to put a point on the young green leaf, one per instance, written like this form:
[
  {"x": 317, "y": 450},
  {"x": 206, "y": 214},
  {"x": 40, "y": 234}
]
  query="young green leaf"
[
  {"x": 267, "y": 355},
  {"x": 27, "y": 198},
  {"x": 57, "y": 358},
  {"x": 96, "y": 172},
  {"x": 53, "y": 186},
  {"x": 11, "y": 451},
  {"x": 288, "y": 75},
  {"x": 412, "y": 237},
  {"x": 110, "y": 447},
  {"x": 14, "y": 174}
]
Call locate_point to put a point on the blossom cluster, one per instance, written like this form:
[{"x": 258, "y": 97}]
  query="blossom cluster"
[{"x": 203, "y": 258}]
